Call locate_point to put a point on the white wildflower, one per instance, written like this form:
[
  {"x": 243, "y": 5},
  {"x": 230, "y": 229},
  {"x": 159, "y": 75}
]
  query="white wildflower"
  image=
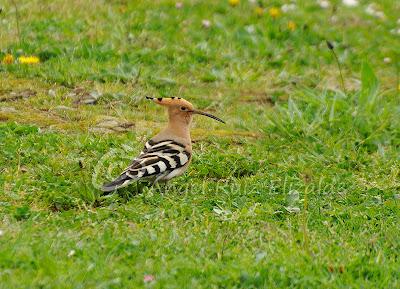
[
  {"x": 350, "y": 3},
  {"x": 387, "y": 60},
  {"x": 288, "y": 7},
  {"x": 206, "y": 23},
  {"x": 71, "y": 253},
  {"x": 373, "y": 11},
  {"x": 380, "y": 15},
  {"x": 250, "y": 29},
  {"x": 324, "y": 4}
]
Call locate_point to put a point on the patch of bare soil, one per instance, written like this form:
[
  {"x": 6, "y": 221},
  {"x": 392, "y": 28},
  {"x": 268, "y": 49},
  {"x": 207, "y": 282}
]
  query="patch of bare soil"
[{"x": 17, "y": 95}]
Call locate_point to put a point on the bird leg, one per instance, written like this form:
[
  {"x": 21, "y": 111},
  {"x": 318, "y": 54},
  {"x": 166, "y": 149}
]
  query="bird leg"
[{"x": 138, "y": 188}]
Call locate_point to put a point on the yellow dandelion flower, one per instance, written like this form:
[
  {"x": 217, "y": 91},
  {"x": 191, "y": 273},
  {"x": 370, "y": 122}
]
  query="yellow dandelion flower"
[
  {"x": 274, "y": 12},
  {"x": 8, "y": 59},
  {"x": 28, "y": 59},
  {"x": 234, "y": 3},
  {"x": 291, "y": 26},
  {"x": 259, "y": 11}
]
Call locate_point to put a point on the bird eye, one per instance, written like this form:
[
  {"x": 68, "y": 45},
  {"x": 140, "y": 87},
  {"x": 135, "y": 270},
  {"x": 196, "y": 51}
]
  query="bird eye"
[{"x": 183, "y": 108}]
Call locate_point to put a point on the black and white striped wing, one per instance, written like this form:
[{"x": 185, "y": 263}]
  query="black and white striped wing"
[{"x": 157, "y": 159}]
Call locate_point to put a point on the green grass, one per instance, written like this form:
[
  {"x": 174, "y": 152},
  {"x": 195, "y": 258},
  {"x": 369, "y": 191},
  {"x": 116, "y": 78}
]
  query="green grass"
[{"x": 300, "y": 189}]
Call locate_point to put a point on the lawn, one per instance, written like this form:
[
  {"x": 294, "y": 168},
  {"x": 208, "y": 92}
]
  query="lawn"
[{"x": 300, "y": 189}]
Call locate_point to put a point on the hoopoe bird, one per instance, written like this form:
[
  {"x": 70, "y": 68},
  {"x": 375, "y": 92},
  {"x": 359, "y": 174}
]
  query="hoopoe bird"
[{"x": 168, "y": 154}]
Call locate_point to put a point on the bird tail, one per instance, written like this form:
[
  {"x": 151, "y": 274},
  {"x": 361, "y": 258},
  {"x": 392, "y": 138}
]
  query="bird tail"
[{"x": 120, "y": 182}]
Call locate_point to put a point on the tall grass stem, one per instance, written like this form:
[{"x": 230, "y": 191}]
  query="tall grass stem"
[
  {"x": 17, "y": 20},
  {"x": 332, "y": 48}
]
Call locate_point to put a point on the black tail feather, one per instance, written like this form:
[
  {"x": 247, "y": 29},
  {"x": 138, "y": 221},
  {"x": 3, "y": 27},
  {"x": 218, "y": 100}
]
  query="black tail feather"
[{"x": 120, "y": 182}]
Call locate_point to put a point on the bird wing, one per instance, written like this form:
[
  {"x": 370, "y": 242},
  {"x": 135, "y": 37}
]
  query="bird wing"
[{"x": 156, "y": 159}]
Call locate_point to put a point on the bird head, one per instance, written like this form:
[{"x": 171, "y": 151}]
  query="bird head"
[{"x": 180, "y": 109}]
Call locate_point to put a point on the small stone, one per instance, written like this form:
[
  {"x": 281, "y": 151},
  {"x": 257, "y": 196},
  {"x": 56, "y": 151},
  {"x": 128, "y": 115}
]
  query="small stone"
[
  {"x": 51, "y": 93},
  {"x": 293, "y": 210},
  {"x": 91, "y": 98},
  {"x": 17, "y": 95},
  {"x": 112, "y": 124},
  {"x": 82, "y": 96},
  {"x": 7, "y": 109}
]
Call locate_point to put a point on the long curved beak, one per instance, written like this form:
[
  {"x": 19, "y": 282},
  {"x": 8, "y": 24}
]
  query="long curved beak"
[{"x": 207, "y": 114}]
